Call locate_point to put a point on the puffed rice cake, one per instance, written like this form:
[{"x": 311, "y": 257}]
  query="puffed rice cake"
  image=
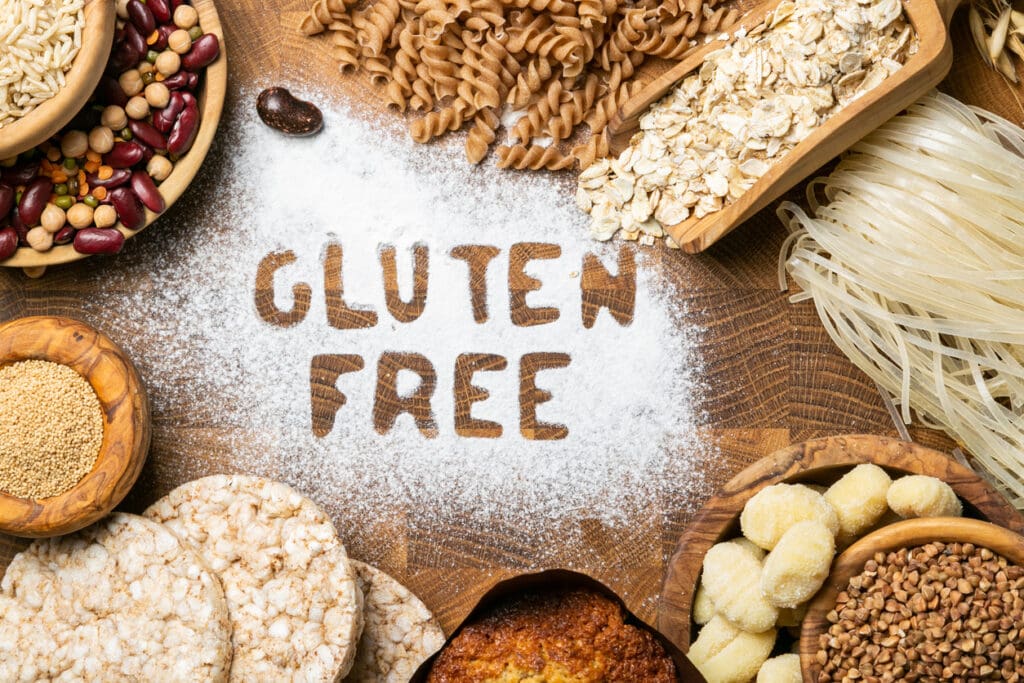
[
  {"x": 399, "y": 632},
  {"x": 295, "y": 608},
  {"x": 122, "y": 600}
]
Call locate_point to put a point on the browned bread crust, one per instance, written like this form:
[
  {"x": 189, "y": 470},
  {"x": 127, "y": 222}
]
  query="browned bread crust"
[{"x": 577, "y": 636}]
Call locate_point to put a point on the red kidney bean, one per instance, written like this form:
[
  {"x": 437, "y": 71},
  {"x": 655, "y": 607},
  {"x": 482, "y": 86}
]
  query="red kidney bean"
[
  {"x": 145, "y": 189},
  {"x": 6, "y": 200},
  {"x": 161, "y": 10},
  {"x": 163, "y": 119},
  {"x": 8, "y": 243},
  {"x": 64, "y": 235},
  {"x": 99, "y": 241},
  {"x": 203, "y": 52},
  {"x": 120, "y": 177},
  {"x": 185, "y": 128},
  {"x": 20, "y": 228},
  {"x": 175, "y": 4},
  {"x": 20, "y": 175},
  {"x": 140, "y": 15},
  {"x": 33, "y": 200},
  {"x": 109, "y": 91},
  {"x": 176, "y": 81},
  {"x": 162, "y": 34},
  {"x": 129, "y": 208},
  {"x": 147, "y": 134},
  {"x": 124, "y": 154},
  {"x": 131, "y": 50}
]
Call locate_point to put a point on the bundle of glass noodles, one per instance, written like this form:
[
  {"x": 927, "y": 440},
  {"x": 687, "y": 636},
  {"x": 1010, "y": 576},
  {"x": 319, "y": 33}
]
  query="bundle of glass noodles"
[{"x": 913, "y": 252}]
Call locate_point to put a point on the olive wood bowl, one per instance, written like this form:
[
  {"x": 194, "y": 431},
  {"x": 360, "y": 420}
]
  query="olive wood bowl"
[
  {"x": 821, "y": 461},
  {"x": 211, "y": 105},
  {"x": 908, "y": 534},
  {"x": 79, "y": 83},
  {"x": 126, "y": 425}
]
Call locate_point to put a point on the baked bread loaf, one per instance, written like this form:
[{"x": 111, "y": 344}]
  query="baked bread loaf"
[{"x": 575, "y": 636}]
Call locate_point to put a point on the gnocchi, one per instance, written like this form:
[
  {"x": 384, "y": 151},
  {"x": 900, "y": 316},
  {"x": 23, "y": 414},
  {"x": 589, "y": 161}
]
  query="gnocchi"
[
  {"x": 770, "y": 513},
  {"x": 732, "y": 577},
  {"x": 798, "y": 566},
  {"x": 781, "y": 669},
  {"x": 726, "y": 654},
  {"x": 918, "y": 495},
  {"x": 859, "y": 499},
  {"x": 703, "y": 606}
]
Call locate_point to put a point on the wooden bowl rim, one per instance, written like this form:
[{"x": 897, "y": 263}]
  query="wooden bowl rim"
[
  {"x": 126, "y": 423},
  {"x": 79, "y": 84},
  {"x": 801, "y": 461},
  {"x": 909, "y": 533},
  {"x": 211, "y": 101}
]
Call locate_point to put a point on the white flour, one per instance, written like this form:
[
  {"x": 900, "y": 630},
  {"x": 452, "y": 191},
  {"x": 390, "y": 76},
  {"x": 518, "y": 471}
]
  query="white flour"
[{"x": 628, "y": 397}]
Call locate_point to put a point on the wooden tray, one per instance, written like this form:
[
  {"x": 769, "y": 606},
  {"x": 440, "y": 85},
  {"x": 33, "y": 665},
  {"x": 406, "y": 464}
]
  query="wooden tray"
[{"x": 821, "y": 461}]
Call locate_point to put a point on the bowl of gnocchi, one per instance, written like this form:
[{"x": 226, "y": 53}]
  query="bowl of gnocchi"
[{"x": 738, "y": 585}]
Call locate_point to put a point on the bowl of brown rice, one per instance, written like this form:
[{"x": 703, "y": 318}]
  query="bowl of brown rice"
[{"x": 52, "y": 55}]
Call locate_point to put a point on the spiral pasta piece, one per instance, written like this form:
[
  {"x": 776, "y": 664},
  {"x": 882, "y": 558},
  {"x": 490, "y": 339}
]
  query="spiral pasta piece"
[
  {"x": 593, "y": 149},
  {"x": 344, "y": 48},
  {"x": 481, "y": 135},
  {"x": 321, "y": 14},
  {"x": 538, "y": 113},
  {"x": 570, "y": 114},
  {"x": 375, "y": 25},
  {"x": 533, "y": 157},
  {"x": 531, "y": 80},
  {"x": 439, "y": 122}
]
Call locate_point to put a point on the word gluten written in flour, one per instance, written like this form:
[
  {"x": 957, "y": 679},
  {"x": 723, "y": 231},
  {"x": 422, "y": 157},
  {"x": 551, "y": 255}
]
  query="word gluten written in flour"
[{"x": 599, "y": 289}]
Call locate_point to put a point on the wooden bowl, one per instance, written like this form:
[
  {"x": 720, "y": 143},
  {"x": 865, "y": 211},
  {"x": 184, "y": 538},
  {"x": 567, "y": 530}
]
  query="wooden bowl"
[
  {"x": 80, "y": 82},
  {"x": 126, "y": 427},
  {"x": 821, "y": 461},
  {"x": 908, "y": 534},
  {"x": 211, "y": 105}
]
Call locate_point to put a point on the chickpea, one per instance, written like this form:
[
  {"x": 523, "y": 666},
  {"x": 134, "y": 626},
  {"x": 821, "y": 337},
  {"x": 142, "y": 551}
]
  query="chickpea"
[
  {"x": 137, "y": 108},
  {"x": 104, "y": 216},
  {"x": 80, "y": 215},
  {"x": 122, "y": 8},
  {"x": 114, "y": 118},
  {"x": 74, "y": 144},
  {"x": 168, "y": 62},
  {"x": 39, "y": 239},
  {"x": 186, "y": 16},
  {"x": 146, "y": 68},
  {"x": 159, "y": 167},
  {"x": 180, "y": 41},
  {"x": 52, "y": 219},
  {"x": 101, "y": 139},
  {"x": 131, "y": 82},
  {"x": 157, "y": 95}
]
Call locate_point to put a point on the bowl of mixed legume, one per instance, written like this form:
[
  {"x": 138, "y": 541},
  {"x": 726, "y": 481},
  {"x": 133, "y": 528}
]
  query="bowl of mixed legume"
[
  {"x": 131, "y": 151},
  {"x": 924, "y": 599},
  {"x": 74, "y": 426}
]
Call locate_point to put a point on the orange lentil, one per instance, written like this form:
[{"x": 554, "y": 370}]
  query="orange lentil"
[
  {"x": 92, "y": 166},
  {"x": 100, "y": 193},
  {"x": 83, "y": 189},
  {"x": 59, "y": 176},
  {"x": 53, "y": 153},
  {"x": 153, "y": 37},
  {"x": 93, "y": 156},
  {"x": 159, "y": 77},
  {"x": 46, "y": 166},
  {"x": 105, "y": 172}
]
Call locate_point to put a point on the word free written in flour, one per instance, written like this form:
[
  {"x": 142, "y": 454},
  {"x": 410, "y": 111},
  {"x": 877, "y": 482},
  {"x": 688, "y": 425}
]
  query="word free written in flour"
[{"x": 328, "y": 373}]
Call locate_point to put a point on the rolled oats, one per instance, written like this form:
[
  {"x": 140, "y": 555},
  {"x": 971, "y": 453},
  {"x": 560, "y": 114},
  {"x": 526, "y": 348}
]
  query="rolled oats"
[
  {"x": 399, "y": 632},
  {"x": 122, "y": 600},
  {"x": 295, "y": 609},
  {"x": 708, "y": 141}
]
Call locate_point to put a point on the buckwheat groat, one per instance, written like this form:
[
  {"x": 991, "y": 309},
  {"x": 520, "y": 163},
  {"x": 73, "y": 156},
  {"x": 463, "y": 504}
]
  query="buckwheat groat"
[
  {"x": 121, "y": 600},
  {"x": 399, "y": 632},
  {"x": 295, "y": 609}
]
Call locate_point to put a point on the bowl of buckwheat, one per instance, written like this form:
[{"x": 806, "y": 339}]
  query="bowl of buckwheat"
[
  {"x": 74, "y": 426},
  {"x": 925, "y": 599}
]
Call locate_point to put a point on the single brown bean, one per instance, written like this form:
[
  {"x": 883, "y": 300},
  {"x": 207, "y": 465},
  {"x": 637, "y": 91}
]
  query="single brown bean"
[
  {"x": 163, "y": 33},
  {"x": 33, "y": 201},
  {"x": 282, "y": 111},
  {"x": 147, "y": 134},
  {"x": 6, "y": 200},
  {"x": 185, "y": 128},
  {"x": 161, "y": 10},
  {"x": 99, "y": 241},
  {"x": 64, "y": 235},
  {"x": 120, "y": 176},
  {"x": 20, "y": 175},
  {"x": 163, "y": 119},
  {"x": 177, "y": 82},
  {"x": 145, "y": 189},
  {"x": 8, "y": 243},
  {"x": 131, "y": 50},
  {"x": 140, "y": 15},
  {"x": 109, "y": 91},
  {"x": 129, "y": 209},
  {"x": 124, "y": 154},
  {"x": 204, "y": 50}
]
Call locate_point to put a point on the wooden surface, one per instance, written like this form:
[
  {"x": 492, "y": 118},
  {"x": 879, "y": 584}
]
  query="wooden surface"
[
  {"x": 211, "y": 104},
  {"x": 126, "y": 427},
  {"x": 79, "y": 83},
  {"x": 773, "y": 377},
  {"x": 822, "y": 461},
  {"x": 921, "y": 72},
  {"x": 909, "y": 534}
]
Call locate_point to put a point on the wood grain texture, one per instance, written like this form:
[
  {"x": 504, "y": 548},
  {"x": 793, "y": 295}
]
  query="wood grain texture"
[
  {"x": 211, "y": 105},
  {"x": 126, "y": 433},
  {"x": 821, "y": 461},
  {"x": 771, "y": 376},
  {"x": 79, "y": 83},
  {"x": 921, "y": 72},
  {"x": 909, "y": 534}
]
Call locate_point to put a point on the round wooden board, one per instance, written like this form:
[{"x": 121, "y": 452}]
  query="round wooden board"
[{"x": 821, "y": 461}]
